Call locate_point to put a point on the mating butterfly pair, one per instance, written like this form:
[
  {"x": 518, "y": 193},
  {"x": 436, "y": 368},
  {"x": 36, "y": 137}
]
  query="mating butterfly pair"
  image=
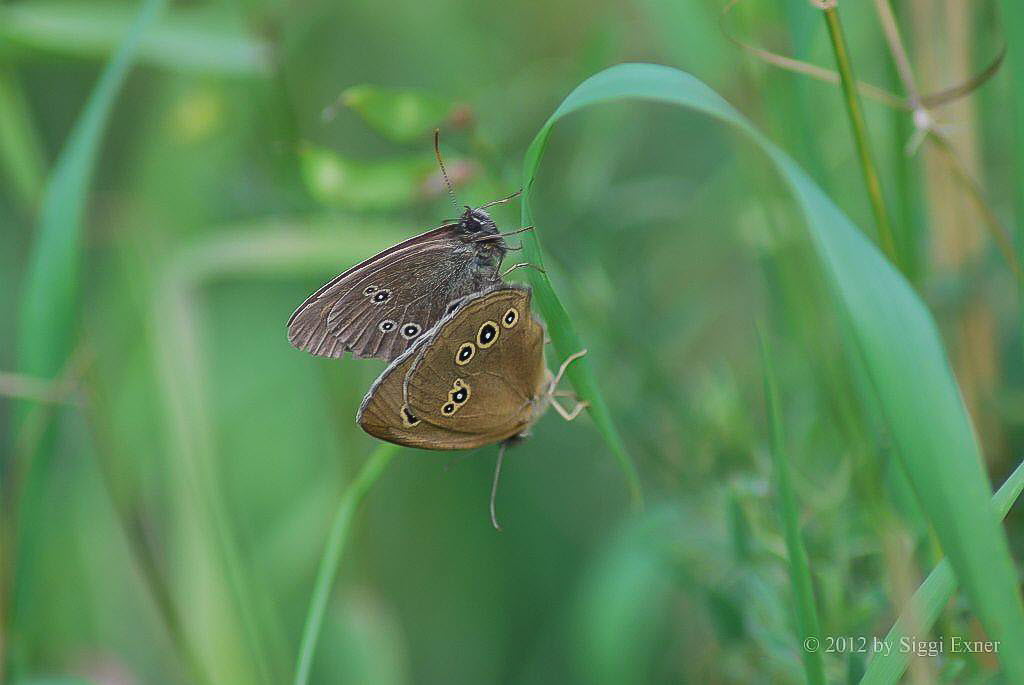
[
  {"x": 466, "y": 353},
  {"x": 467, "y": 356}
]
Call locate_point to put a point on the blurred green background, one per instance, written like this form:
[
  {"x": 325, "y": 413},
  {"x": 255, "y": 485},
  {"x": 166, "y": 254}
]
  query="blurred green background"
[{"x": 169, "y": 492}]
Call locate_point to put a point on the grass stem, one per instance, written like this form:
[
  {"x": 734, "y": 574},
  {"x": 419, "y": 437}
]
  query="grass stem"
[
  {"x": 799, "y": 566},
  {"x": 336, "y": 539},
  {"x": 860, "y": 134}
]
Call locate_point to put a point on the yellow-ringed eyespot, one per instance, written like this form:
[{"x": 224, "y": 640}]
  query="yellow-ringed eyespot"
[
  {"x": 386, "y": 326},
  {"x": 408, "y": 418},
  {"x": 449, "y": 408},
  {"x": 460, "y": 392},
  {"x": 510, "y": 318},
  {"x": 370, "y": 290},
  {"x": 382, "y": 295},
  {"x": 487, "y": 334},
  {"x": 465, "y": 353},
  {"x": 410, "y": 330}
]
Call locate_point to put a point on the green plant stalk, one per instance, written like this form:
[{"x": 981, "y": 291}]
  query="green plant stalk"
[
  {"x": 931, "y": 597},
  {"x": 860, "y": 136},
  {"x": 21, "y": 150},
  {"x": 799, "y": 565},
  {"x": 50, "y": 295},
  {"x": 336, "y": 539}
]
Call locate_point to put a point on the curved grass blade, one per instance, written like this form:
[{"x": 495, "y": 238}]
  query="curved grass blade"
[
  {"x": 336, "y": 539},
  {"x": 892, "y": 333},
  {"x": 931, "y": 597},
  {"x": 51, "y": 288}
]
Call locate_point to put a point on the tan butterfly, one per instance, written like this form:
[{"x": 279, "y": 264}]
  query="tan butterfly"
[{"x": 476, "y": 378}]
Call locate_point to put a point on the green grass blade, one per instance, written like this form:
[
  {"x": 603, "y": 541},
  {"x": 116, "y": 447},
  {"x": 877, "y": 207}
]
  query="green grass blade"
[
  {"x": 860, "y": 134},
  {"x": 892, "y": 333},
  {"x": 930, "y": 598},
  {"x": 336, "y": 539},
  {"x": 50, "y": 292},
  {"x": 799, "y": 567},
  {"x": 51, "y": 288}
]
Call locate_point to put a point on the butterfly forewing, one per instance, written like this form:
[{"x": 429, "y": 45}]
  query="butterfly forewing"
[{"x": 380, "y": 307}]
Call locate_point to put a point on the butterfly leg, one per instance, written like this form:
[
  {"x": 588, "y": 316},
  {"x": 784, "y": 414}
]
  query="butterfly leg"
[
  {"x": 524, "y": 229},
  {"x": 502, "y": 200},
  {"x": 565, "y": 365},
  {"x": 566, "y": 414},
  {"x": 521, "y": 265}
]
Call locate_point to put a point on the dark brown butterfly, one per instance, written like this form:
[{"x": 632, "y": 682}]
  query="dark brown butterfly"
[{"x": 380, "y": 307}]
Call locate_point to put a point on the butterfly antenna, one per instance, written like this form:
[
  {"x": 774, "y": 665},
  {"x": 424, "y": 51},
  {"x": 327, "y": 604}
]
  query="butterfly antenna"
[
  {"x": 494, "y": 486},
  {"x": 440, "y": 163}
]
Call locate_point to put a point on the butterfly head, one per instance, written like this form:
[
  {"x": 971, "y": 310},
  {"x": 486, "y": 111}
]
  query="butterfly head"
[{"x": 476, "y": 223}]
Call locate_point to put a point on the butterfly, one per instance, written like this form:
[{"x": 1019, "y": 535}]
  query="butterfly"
[
  {"x": 476, "y": 378},
  {"x": 379, "y": 307}
]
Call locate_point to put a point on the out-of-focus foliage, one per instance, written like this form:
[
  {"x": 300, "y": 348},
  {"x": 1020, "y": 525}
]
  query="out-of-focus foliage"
[{"x": 194, "y": 436}]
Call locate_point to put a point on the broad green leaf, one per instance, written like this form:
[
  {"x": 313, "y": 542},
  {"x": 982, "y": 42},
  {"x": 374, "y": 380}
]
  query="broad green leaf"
[
  {"x": 201, "y": 39},
  {"x": 893, "y": 334},
  {"x": 400, "y": 114}
]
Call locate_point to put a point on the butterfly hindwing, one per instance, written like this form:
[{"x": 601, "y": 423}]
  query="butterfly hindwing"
[
  {"x": 384, "y": 415},
  {"x": 482, "y": 368}
]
